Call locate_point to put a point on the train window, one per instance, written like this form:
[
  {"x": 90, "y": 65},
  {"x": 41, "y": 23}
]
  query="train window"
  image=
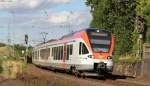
[
  {"x": 38, "y": 54},
  {"x": 44, "y": 53},
  {"x": 41, "y": 54},
  {"x": 71, "y": 49},
  {"x": 61, "y": 51},
  {"x": 100, "y": 41},
  {"x": 54, "y": 55},
  {"x": 83, "y": 49},
  {"x": 52, "y": 52},
  {"x": 59, "y": 54},
  {"x": 68, "y": 52},
  {"x": 47, "y": 53},
  {"x": 35, "y": 55},
  {"x": 80, "y": 48}
]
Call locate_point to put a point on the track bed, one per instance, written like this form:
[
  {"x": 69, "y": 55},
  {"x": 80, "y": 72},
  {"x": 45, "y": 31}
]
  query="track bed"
[{"x": 35, "y": 76}]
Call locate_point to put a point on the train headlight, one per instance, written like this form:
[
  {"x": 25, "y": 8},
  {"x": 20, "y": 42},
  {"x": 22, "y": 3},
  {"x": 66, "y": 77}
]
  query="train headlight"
[{"x": 109, "y": 57}]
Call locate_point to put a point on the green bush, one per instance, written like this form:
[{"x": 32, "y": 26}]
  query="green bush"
[
  {"x": 10, "y": 67},
  {"x": 2, "y": 44},
  {"x": 148, "y": 36},
  {"x": 129, "y": 58}
]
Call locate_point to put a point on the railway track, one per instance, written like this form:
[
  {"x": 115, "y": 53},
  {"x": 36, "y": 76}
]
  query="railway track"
[{"x": 35, "y": 76}]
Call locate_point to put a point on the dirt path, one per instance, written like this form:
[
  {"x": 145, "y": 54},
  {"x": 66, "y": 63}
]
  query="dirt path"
[{"x": 35, "y": 76}]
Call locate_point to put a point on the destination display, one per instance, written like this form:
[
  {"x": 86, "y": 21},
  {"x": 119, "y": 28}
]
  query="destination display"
[{"x": 99, "y": 34}]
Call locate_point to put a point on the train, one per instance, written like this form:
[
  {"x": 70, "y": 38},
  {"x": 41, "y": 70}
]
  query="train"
[{"x": 88, "y": 50}]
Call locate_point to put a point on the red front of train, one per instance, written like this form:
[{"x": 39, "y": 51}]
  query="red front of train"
[{"x": 101, "y": 43}]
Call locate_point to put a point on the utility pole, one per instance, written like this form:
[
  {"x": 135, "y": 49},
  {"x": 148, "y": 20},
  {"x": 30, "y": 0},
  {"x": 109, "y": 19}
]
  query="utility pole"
[
  {"x": 44, "y": 35},
  {"x": 9, "y": 36},
  {"x": 8, "y": 39},
  {"x": 13, "y": 17}
]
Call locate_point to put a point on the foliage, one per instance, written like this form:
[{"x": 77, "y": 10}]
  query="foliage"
[
  {"x": 128, "y": 58},
  {"x": 30, "y": 51},
  {"x": 143, "y": 7},
  {"x": 2, "y": 44},
  {"x": 117, "y": 16},
  {"x": 20, "y": 48},
  {"x": 143, "y": 10},
  {"x": 125, "y": 18},
  {"x": 4, "y": 51},
  {"x": 148, "y": 36},
  {"x": 10, "y": 67},
  {"x": 15, "y": 51}
]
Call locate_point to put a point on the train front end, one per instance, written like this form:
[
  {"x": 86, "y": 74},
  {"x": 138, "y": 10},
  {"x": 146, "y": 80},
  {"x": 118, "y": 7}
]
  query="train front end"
[{"x": 102, "y": 45}]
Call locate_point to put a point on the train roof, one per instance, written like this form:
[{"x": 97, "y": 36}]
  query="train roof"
[
  {"x": 88, "y": 29},
  {"x": 72, "y": 34}
]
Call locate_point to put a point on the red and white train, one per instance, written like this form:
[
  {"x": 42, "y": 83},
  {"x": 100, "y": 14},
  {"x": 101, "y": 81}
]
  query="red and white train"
[{"x": 88, "y": 50}]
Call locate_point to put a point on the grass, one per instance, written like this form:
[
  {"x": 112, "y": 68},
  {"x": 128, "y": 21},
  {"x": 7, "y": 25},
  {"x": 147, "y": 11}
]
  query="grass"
[
  {"x": 10, "y": 67},
  {"x": 129, "y": 58},
  {"x": 4, "y": 51}
]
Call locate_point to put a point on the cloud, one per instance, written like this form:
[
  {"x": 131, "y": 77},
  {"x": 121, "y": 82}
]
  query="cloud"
[
  {"x": 29, "y": 5},
  {"x": 66, "y": 17},
  {"x": 54, "y": 19},
  {"x": 56, "y": 24}
]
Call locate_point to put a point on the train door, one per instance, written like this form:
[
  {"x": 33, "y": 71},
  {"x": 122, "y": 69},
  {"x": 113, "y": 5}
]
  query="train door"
[
  {"x": 74, "y": 58},
  {"x": 65, "y": 56},
  {"x": 84, "y": 54},
  {"x": 68, "y": 54},
  {"x": 65, "y": 53}
]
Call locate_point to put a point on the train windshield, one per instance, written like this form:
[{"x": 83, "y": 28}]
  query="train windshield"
[{"x": 100, "y": 40}]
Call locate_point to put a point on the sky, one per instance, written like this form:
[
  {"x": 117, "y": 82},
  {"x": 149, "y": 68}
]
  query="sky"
[{"x": 32, "y": 17}]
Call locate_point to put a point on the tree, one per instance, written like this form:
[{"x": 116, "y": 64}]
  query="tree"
[
  {"x": 117, "y": 16},
  {"x": 2, "y": 44},
  {"x": 19, "y": 48},
  {"x": 143, "y": 11}
]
